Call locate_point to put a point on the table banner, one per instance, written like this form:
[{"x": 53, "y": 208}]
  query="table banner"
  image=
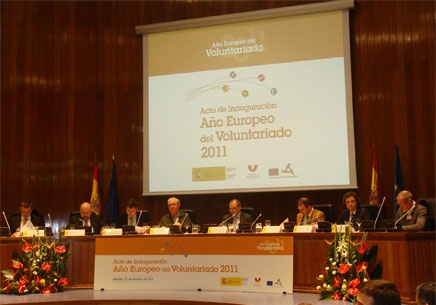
[{"x": 223, "y": 263}]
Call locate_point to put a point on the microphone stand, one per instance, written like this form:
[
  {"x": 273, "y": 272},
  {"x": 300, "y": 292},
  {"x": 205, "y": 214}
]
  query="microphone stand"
[
  {"x": 6, "y": 219},
  {"x": 257, "y": 218},
  {"x": 222, "y": 223},
  {"x": 139, "y": 217},
  {"x": 184, "y": 217},
  {"x": 405, "y": 214},
  {"x": 378, "y": 214},
  {"x": 309, "y": 220}
]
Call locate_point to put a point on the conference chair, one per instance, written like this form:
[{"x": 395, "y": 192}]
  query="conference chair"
[
  {"x": 249, "y": 210},
  {"x": 429, "y": 203},
  {"x": 373, "y": 211},
  {"x": 72, "y": 216},
  {"x": 328, "y": 210}
]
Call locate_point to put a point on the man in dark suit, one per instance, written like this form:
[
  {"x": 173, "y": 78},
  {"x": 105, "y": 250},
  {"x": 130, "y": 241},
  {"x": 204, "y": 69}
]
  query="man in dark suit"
[
  {"x": 235, "y": 207},
  {"x": 132, "y": 216},
  {"x": 86, "y": 218},
  {"x": 25, "y": 219},
  {"x": 175, "y": 216},
  {"x": 353, "y": 210}
]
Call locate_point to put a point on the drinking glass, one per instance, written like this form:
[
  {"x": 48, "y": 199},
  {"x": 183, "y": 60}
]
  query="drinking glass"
[
  {"x": 359, "y": 222},
  {"x": 145, "y": 227},
  {"x": 267, "y": 222},
  {"x": 194, "y": 229},
  {"x": 258, "y": 227}
]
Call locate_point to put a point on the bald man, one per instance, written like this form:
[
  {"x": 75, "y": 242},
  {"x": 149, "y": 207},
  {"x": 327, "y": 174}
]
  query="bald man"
[
  {"x": 86, "y": 218},
  {"x": 416, "y": 213}
]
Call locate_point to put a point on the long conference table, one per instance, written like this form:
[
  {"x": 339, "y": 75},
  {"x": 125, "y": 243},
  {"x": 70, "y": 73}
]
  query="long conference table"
[{"x": 408, "y": 258}]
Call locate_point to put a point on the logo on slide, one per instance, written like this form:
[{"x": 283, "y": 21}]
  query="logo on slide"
[
  {"x": 288, "y": 169},
  {"x": 252, "y": 168},
  {"x": 232, "y": 83}
]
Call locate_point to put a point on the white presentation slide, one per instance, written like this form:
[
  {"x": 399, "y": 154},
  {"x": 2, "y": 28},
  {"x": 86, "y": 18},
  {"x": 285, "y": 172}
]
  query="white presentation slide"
[{"x": 253, "y": 106}]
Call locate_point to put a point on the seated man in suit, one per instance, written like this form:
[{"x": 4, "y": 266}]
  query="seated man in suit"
[
  {"x": 175, "y": 216},
  {"x": 86, "y": 218},
  {"x": 410, "y": 215},
  {"x": 353, "y": 210},
  {"x": 236, "y": 216},
  {"x": 308, "y": 215},
  {"x": 133, "y": 217},
  {"x": 25, "y": 220}
]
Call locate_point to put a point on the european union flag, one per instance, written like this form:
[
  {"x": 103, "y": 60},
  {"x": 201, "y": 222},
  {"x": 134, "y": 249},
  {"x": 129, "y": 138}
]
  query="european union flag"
[
  {"x": 398, "y": 186},
  {"x": 112, "y": 209}
]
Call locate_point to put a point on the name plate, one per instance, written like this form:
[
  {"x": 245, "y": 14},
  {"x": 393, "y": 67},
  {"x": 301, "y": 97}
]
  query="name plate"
[
  {"x": 304, "y": 229},
  {"x": 75, "y": 232},
  {"x": 271, "y": 229},
  {"x": 28, "y": 233},
  {"x": 160, "y": 231},
  {"x": 112, "y": 232},
  {"x": 217, "y": 230},
  {"x": 341, "y": 228}
]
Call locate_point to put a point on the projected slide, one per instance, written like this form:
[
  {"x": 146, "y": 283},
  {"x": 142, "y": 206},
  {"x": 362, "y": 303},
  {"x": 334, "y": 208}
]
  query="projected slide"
[{"x": 254, "y": 106}]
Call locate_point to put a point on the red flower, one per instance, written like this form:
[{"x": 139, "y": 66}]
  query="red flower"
[
  {"x": 362, "y": 248},
  {"x": 47, "y": 290},
  {"x": 354, "y": 283},
  {"x": 46, "y": 266},
  {"x": 63, "y": 281},
  {"x": 336, "y": 282},
  {"x": 27, "y": 248},
  {"x": 61, "y": 249},
  {"x": 352, "y": 291},
  {"x": 360, "y": 266},
  {"x": 17, "y": 265},
  {"x": 344, "y": 268},
  {"x": 24, "y": 279},
  {"x": 8, "y": 288},
  {"x": 22, "y": 288},
  {"x": 37, "y": 279},
  {"x": 337, "y": 296}
]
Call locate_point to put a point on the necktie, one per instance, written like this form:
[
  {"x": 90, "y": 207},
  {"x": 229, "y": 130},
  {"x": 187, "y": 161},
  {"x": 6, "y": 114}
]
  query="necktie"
[
  {"x": 236, "y": 221},
  {"x": 131, "y": 222},
  {"x": 353, "y": 221},
  {"x": 86, "y": 223}
]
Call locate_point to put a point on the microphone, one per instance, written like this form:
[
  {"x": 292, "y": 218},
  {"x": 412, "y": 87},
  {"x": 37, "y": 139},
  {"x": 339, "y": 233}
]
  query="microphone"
[
  {"x": 378, "y": 214},
  {"x": 7, "y": 223},
  {"x": 140, "y": 213},
  {"x": 257, "y": 218},
  {"x": 222, "y": 223},
  {"x": 405, "y": 214}
]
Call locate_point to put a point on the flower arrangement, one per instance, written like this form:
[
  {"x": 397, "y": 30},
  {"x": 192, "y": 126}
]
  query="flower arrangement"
[
  {"x": 348, "y": 265},
  {"x": 40, "y": 268}
]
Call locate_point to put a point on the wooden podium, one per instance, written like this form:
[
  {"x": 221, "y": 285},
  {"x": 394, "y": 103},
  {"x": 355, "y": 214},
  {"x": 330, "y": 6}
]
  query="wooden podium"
[{"x": 408, "y": 258}]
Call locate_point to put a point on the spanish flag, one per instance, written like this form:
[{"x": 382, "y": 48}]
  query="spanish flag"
[
  {"x": 373, "y": 197},
  {"x": 95, "y": 198}
]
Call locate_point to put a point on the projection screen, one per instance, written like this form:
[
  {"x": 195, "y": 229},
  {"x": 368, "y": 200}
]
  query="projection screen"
[{"x": 249, "y": 102}]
